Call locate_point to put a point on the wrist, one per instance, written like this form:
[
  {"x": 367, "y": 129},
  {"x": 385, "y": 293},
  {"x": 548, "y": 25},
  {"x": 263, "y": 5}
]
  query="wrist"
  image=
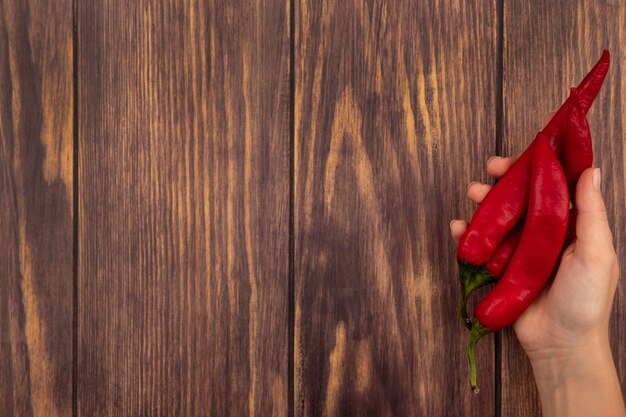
[
  {"x": 578, "y": 382},
  {"x": 558, "y": 365}
]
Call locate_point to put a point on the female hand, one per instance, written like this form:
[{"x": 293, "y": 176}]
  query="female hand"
[{"x": 565, "y": 331}]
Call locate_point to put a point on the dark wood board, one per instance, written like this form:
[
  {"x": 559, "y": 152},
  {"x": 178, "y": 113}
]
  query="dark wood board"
[
  {"x": 36, "y": 191},
  {"x": 395, "y": 108},
  {"x": 548, "y": 47},
  {"x": 183, "y": 208}
]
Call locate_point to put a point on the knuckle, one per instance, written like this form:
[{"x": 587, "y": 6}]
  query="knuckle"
[
  {"x": 601, "y": 215},
  {"x": 600, "y": 261},
  {"x": 596, "y": 258},
  {"x": 597, "y": 214},
  {"x": 591, "y": 260}
]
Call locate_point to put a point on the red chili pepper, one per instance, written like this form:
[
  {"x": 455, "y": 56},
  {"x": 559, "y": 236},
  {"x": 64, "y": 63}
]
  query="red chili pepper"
[
  {"x": 536, "y": 254},
  {"x": 578, "y": 156},
  {"x": 570, "y": 236},
  {"x": 505, "y": 204},
  {"x": 489, "y": 273},
  {"x": 578, "y": 150}
]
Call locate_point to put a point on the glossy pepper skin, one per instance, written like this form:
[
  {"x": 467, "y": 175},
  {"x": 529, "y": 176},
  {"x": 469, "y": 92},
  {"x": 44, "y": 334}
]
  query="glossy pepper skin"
[
  {"x": 505, "y": 204},
  {"x": 570, "y": 236},
  {"x": 587, "y": 91},
  {"x": 578, "y": 149},
  {"x": 537, "y": 252},
  {"x": 501, "y": 257},
  {"x": 479, "y": 277}
]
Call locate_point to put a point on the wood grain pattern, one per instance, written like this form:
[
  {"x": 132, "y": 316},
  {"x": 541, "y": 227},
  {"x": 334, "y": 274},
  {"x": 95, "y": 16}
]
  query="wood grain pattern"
[
  {"x": 548, "y": 47},
  {"x": 183, "y": 196},
  {"x": 395, "y": 103},
  {"x": 184, "y": 208},
  {"x": 36, "y": 208}
]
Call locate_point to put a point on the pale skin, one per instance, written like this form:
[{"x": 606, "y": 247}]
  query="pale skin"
[{"x": 565, "y": 332}]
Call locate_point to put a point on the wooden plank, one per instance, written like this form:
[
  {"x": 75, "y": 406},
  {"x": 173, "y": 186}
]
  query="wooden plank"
[
  {"x": 395, "y": 114},
  {"x": 36, "y": 194},
  {"x": 548, "y": 47},
  {"x": 184, "y": 208}
]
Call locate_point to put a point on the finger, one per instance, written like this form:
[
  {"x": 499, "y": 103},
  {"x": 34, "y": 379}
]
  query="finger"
[
  {"x": 593, "y": 233},
  {"x": 477, "y": 191},
  {"x": 457, "y": 228},
  {"x": 497, "y": 165}
]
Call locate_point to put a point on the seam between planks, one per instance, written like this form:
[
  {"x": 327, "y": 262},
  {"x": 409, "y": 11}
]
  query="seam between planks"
[
  {"x": 499, "y": 138},
  {"x": 75, "y": 210},
  {"x": 291, "y": 290}
]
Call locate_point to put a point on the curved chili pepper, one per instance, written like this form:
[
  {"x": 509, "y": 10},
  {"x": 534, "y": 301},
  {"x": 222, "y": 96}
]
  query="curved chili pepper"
[
  {"x": 537, "y": 252},
  {"x": 504, "y": 205},
  {"x": 489, "y": 273}
]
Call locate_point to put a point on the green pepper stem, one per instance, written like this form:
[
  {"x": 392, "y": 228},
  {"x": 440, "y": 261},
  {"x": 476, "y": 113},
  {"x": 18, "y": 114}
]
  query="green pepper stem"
[
  {"x": 478, "y": 331},
  {"x": 472, "y": 277}
]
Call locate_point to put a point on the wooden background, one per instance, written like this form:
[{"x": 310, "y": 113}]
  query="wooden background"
[{"x": 214, "y": 208}]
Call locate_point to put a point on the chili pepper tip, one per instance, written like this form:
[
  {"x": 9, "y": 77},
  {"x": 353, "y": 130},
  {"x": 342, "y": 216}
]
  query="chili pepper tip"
[{"x": 590, "y": 86}]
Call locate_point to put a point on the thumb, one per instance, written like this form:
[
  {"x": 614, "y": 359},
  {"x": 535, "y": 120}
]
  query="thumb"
[{"x": 593, "y": 235}]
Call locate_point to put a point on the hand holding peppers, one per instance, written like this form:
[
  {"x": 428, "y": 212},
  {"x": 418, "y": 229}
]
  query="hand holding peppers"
[
  {"x": 565, "y": 330},
  {"x": 568, "y": 134},
  {"x": 536, "y": 186}
]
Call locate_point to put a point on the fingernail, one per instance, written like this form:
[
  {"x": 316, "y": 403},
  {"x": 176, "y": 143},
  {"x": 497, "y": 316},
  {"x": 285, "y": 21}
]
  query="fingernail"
[
  {"x": 471, "y": 183},
  {"x": 493, "y": 157},
  {"x": 452, "y": 221},
  {"x": 597, "y": 178}
]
